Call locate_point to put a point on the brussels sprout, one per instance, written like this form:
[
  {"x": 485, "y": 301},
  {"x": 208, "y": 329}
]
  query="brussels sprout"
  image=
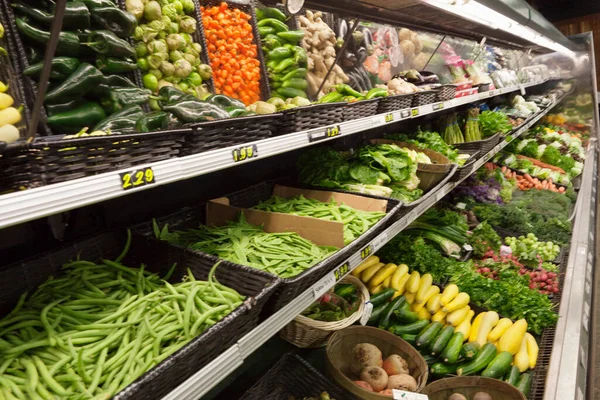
[
  {"x": 205, "y": 71},
  {"x": 182, "y": 68},
  {"x": 170, "y": 11},
  {"x": 135, "y": 8},
  {"x": 188, "y": 6},
  {"x": 175, "y": 55},
  {"x": 154, "y": 61},
  {"x": 175, "y": 41},
  {"x": 152, "y": 11},
  {"x": 157, "y": 46},
  {"x": 156, "y": 73},
  {"x": 187, "y": 24},
  {"x": 167, "y": 68},
  {"x": 189, "y": 58}
]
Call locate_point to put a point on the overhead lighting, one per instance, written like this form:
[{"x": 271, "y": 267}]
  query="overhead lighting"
[{"x": 481, "y": 14}]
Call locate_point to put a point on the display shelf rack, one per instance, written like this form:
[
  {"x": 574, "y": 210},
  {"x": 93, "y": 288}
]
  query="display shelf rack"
[
  {"x": 19, "y": 207},
  {"x": 208, "y": 377}
]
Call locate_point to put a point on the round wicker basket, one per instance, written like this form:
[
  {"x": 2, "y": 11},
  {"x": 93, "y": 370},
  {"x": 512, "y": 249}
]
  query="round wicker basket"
[{"x": 304, "y": 332}]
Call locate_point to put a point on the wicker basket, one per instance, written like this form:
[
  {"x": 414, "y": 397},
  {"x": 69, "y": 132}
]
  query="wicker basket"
[
  {"x": 339, "y": 349},
  {"x": 445, "y": 92},
  {"x": 442, "y": 389},
  {"x": 305, "y": 332},
  {"x": 394, "y": 103},
  {"x": 310, "y": 117},
  {"x": 467, "y": 169},
  {"x": 424, "y": 97},
  {"x": 484, "y": 146},
  {"x": 360, "y": 109}
]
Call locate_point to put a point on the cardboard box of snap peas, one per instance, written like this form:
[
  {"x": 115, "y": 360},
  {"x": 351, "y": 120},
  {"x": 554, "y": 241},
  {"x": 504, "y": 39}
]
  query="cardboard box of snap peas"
[
  {"x": 98, "y": 316},
  {"x": 300, "y": 249}
]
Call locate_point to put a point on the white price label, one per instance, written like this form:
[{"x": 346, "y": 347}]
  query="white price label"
[
  {"x": 402, "y": 395},
  {"x": 322, "y": 286},
  {"x": 461, "y": 206},
  {"x": 380, "y": 241},
  {"x": 467, "y": 247},
  {"x": 404, "y": 113},
  {"x": 378, "y": 120},
  {"x": 483, "y": 95},
  {"x": 366, "y": 313}
]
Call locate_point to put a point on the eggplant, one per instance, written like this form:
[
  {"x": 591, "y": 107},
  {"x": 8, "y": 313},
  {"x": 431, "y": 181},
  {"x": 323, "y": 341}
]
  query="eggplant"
[
  {"x": 361, "y": 54},
  {"x": 355, "y": 82},
  {"x": 429, "y": 77}
]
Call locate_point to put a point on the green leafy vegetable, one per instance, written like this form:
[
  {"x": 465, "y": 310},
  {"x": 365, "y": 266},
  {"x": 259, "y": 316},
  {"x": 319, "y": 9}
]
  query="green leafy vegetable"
[
  {"x": 484, "y": 238},
  {"x": 492, "y": 122}
]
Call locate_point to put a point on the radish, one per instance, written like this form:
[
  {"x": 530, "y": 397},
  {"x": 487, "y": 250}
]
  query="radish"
[
  {"x": 542, "y": 284},
  {"x": 544, "y": 277}
]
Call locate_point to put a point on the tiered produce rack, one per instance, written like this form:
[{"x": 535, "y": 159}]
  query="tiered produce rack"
[{"x": 565, "y": 361}]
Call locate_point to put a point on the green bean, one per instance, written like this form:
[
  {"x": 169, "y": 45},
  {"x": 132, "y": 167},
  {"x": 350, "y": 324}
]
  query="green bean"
[
  {"x": 98, "y": 372},
  {"x": 47, "y": 377},
  {"x": 81, "y": 368},
  {"x": 13, "y": 386},
  {"x": 126, "y": 249},
  {"x": 188, "y": 312},
  {"x": 204, "y": 316},
  {"x": 59, "y": 364},
  {"x": 32, "y": 377}
]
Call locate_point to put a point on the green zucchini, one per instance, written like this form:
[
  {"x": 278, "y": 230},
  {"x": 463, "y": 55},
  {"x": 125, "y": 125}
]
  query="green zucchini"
[
  {"x": 499, "y": 366},
  {"x": 430, "y": 360},
  {"x": 385, "y": 318},
  {"x": 410, "y": 338},
  {"x": 427, "y": 335},
  {"x": 406, "y": 316},
  {"x": 413, "y": 328},
  {"x": 524, "y": 383},
  {"x": 452, "y": 349},
  {"x": 376, "y": 314},
  {"x": 513, "y": 375},
  {"x": 382, "y": 296},
  {"x": 344, "y": 289},
  {"x": 441, "y": 369},
  {"x": 440, "y": 342},
  {"x": 470, "y": 350},
  {"x": 482, "y": 360}
]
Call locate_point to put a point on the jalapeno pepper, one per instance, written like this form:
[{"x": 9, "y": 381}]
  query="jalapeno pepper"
[
  {"x": 85, "y": 79},
  {"x": 190, "y": 111},
  {"x": 376, "y": 92},
  {"x": 295, "y": 73},
  {"x": 270, "y": 12},
  {"x": 120, "y": 98},
  {"x": 300, "y": 55},
  {"x": 273, "y": 23},
  {"x": 284, "y": 64},
  {"x": 68, "y": 42},
  {"x": 331, "y": 98},
  {"x": 71, "y": 121},
  {"x": 120, "y": 22},
  {"x": 77, "y": 15},
  {"x": 292, "y": 36},
  {"x": 112, "y": 65},
  {"x": 279, "y": 53},
  {"x": 154, "y": 121},
  {"x": 62, "y": 68},
  {"x": 123, "y": 121},
  {"x": 108, "y": 44},
  {"x": 296, "y": 83}
]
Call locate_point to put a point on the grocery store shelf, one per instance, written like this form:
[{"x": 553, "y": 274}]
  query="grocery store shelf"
[
  {"x": 204, "y": 380},
  {"x": 19, "y": 207}
]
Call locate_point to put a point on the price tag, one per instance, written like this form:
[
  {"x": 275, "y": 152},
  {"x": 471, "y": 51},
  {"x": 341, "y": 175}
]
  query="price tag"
[
  {"x": 389, "y": 117},
  {"x": 366, "y": 313},
  {"x": 244, "y": 153},
  {"x": 414, "y": 112},
  {"x": 483, "y": 95},
  {"x": 322, "y": 286},
  {"x": 324, "y": 133},
  {"x": 402, "y": 395},
  {"x": 467, "y": 247},
  {"x": 461, "y": 206},
  {"x": 493, "y": 93},
  {"x": 380, "y": 241},
  {"x": 437, "y": 106},
  {"x": 367, "y": 251},
  {"x": 341, "y": 271},
  {"x": 405, "y": 113},
  {"x": 378, "y": 120},
  {"x": 137, "y": 178}
]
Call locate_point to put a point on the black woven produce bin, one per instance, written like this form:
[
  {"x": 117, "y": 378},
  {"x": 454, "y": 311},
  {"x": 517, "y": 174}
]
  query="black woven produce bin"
[
  {"x": 158, "y": 257},
  {"x": 360, "y": 109},
  {"x": 467, "y": 168},
  {"x": 484, "y": 146},
  {"x": 435, "y": 189},
  {"x": 292, "y": 376},
  {"x": 394, "y": 103},
  {"x": 423, "y": 98},
  {"x": 222, "y": 133},
  {"x": 61, "y": 160},
  {"x": 249, "y": 8},
  {"x": 445, "y": 92},
  {"x": 18, "y": 170},
  {"x": 310, "y": 117}
]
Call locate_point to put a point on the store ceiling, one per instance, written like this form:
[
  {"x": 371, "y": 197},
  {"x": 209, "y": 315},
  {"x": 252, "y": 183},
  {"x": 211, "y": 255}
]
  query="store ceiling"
[{"x": 560, "y": 10}]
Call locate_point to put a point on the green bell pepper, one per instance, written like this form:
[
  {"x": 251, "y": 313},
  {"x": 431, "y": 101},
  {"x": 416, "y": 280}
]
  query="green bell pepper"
[
  {"x": 154, "y": 121},
  {"x": 77, "y": 15},
  {"x": 62, "y": 68},
  {"x": 108, "y": 44},
  {"x": 68, "y": 42},
  {"x": 85, "y": 79},
  {"x": 71, "y": 121},
  {"x": 120, "y": 22},
  {"x": 225, "y": 101},
  {"x": 123, "y": 121}
]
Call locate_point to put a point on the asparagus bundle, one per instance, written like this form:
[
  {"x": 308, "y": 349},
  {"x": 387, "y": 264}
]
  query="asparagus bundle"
[
  {"x": 452, "y": 132},
  {"x": 472, "y": 132}
]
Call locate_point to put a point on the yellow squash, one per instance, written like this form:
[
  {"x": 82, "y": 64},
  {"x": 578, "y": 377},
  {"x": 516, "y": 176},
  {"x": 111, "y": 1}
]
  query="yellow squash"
[
  {"x": 465, "y": 326},
  {"x": 410, "y": 297},
  {"x": 424, "y": 285},
  {"x": 439, "y": 316},
  {"x": 455, "y": 317},
  {"x": 364, "y": 265},
  {"x": 398, "y": 275},
  {"x": 383, "y": 274},
  {"x": 521, "y": 359},
  {"x": 424, "y": 314},
  {"x": 511, "y": 339},
  {"x": 370, "y": 272},
  {"x": 532, "y": 349},
  {"x": 475, "y": 327},
  {"x": 413, "y": 282},
  {"x": 488, "y": 322},
  {"x": 401, "y": 286},
  {"x": 499, "y": 329},
  {"x": 388, "y": 282},
  {"x": 449, "y": 294},
  {"x": 462, "y": 299}
]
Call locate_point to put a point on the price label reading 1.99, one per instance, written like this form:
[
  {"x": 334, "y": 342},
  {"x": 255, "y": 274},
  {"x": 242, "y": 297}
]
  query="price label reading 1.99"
[
  {"x": 341, "y": 271},
  {"x": 137, "y": 178},
  {"x": 244, "y": 153},
  {"x": 322, "y": 134},
  {"x": 389, "y": 117}
]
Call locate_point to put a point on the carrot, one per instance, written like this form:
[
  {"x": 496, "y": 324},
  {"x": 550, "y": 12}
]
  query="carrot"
[
  {"x": 561, "y": 189},
  {"x": 504, "y": 168}
]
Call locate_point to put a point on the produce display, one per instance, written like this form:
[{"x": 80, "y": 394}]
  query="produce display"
[
  {"x": 9, "y": 115},
  {"x": 336, "y": 306},
  {"x": 98, "y": 327}
]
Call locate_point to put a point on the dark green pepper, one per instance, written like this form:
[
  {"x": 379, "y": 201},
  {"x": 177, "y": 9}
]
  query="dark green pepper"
[
  {"x": 108, "y": 44},
  {"x": 52, "y": 109},
  {"x": 190, "y": 111},
  {"x": 68, "y": 42},
  {"x": 120, "y": 98},
  {"x": 273, "y": 23},
  {"x": 296, "y": 83},
  {"x": 225, "y": 101},
  {"x": 93, "y": 4},
  {"x": 169, "y": 95},
  {"x": 266, "y": 30},
  {"x": 111, "y": 65},
  {"x": 292, "y": 36},
  {"x": 154, "y": 121},
  {"x": 85, "y": 79},
  {"x": 295, "y": 73},
  {"x": 120, "y": 22},
  {"x": 270, "y": 12},
  {"x": 284, "y": 64},
  {"x": 123, "y": 121},
  {"x": 62, "y": 68},
  {"x": 118, "y": 81},
  {"x": 71, "y": 121},
  {"x": 238, "y": 112},
  {"x": 77, "y": 15},
  {"x": 33, "y": 54},
  {"x": 279, "y": 53}
]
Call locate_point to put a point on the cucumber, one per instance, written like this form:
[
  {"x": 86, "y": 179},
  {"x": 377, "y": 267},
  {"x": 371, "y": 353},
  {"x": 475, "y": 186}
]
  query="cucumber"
[
  {"x": 413, "y": 328},
  {"x": 409, "y": 338},
  {"x": 376, "y": 314},
  {"x": 430, "y": 360},
  {"x": 427, "y": 335},
  {"x": 499, "y": 366},
  {"x": 406, "y": 316},
  {"x": 513, "y": 375},
  {"x": 441, "y": 369},
  {"x": 524, "y": 383},
  {"x": 452, "y": 349},
  {"x": 470, "y": 350},
  {"x": 382, "y": 296},
  {"x": 344, "y": 289},
  {"x": 386, "y": 316},
  {"x": 440, "y": 342},
  {"x": 482, "y": 360}
]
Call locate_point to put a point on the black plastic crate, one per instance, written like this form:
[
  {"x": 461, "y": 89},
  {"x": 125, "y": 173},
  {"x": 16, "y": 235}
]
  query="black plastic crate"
[
  {"x": 310, "y": 117},
  {"x": 484, "y": 146},
  {"x": 361, "y": 109},
  {"x": 467, "y": 168},
  {"x": 394, "y": 103}
]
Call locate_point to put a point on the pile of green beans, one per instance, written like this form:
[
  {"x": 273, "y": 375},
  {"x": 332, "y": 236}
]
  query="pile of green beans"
[
  {"x": 98, "y": 327},
  {"x": 356, "y": 222},
  {"x": 284, "y": 254}
]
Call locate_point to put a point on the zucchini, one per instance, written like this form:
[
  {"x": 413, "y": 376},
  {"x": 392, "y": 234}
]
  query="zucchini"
[
  {"x": 382, "y": 297},
  {"x": 406, "y": 316},
  {"x": 410, "y": 338},
  {"x": 427, "y": 335},
  {"x": 344, "y": 289},
  {"x": 482, "y": 360},
  {"x": 452, "y": 349},
  {"x": 430, "y": 360},
  {"x": 385, "y": 318},
  {"x": 441, "y": 369},
  {"x": 440, "y": 343},
  {"x": 413, "y": 328},
  {"x": 470, "y": 350},
  {"x": 524, "y": 383},
  {"x": 513, "y": 375},
  {"x": 499, "y": 366},
  {"x": 376, "y": 314}
]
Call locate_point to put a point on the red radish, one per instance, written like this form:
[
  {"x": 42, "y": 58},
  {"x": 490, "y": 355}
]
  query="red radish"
[
  {"x": 486, "y": 269},
  {"x": 544, "y": 277},
  {"x": 542, "y": 284}
]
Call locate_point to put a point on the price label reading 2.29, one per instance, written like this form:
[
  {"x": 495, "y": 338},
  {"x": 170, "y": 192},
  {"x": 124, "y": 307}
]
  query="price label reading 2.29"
[
  {"x": 341, "y": 271},
  {"x": 244, "y": 153},
  {"x": 366, "y": 252},
  {"x": 137, "y": 178}
]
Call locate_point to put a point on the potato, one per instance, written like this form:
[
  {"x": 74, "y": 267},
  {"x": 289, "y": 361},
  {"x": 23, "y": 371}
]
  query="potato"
[
  {"x": 376, "y": 377},
  {"x": 482, "y": 396},
  {"x": 365, "y": 355},
  {"x": 457, "y": 396},
  {"x": 395, "y": 365},
  {"x": 402, "y": 382}
]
